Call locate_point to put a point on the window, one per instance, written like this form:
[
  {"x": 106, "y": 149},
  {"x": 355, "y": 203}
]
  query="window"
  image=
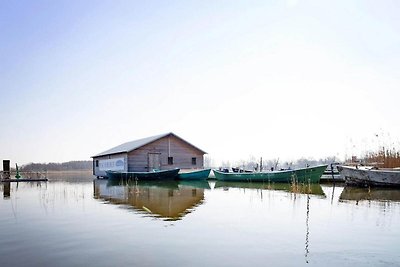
[
  {"x": 170, "y": 160},
  {"x": 193, "y": 161},
  {"x": 97, "y": 163}
]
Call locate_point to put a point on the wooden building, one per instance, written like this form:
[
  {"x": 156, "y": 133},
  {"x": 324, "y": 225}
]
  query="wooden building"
[{"x": 165, "y": 151}]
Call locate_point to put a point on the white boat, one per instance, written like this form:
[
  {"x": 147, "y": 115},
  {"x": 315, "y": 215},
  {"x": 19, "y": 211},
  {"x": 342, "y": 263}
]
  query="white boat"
[{"x": 369, "y": 176}]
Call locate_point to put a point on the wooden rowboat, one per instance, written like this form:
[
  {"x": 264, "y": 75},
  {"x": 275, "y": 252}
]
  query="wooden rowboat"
[
  {"x": 301, "y": 175},
  {"x": 364, "y": 176},
  {"x": 154, "y": 175},
  {"x": 195, "y": 175}
]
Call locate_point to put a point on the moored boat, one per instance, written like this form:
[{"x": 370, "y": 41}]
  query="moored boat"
[
  {"x": 364, "y": 176},
  {"x": 301, "y": 175},
  {"x": 195, "y": 175},
  {"x": 154, "y": 175}
]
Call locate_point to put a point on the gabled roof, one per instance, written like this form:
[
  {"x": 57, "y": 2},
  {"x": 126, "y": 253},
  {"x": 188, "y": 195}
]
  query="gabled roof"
[{"x": 130, "y": 146}]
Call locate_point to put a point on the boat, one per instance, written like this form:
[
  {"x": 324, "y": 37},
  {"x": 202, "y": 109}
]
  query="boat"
[
  {"x": 195, "y": 175},
  {"x": 370, "y": 176},
  {"x": 331, "y": 174},
  {"x": 332, "y": 169},
  {"x": 153, "y": 175},
  {"x": 301, "y": 175}
]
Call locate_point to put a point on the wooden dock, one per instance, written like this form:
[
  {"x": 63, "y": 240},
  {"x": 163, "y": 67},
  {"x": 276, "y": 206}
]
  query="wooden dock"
[
  {"x": 24, "y": 180},
  {"x": 331, "y": 179},
  {"x": 28, "y": 176}
]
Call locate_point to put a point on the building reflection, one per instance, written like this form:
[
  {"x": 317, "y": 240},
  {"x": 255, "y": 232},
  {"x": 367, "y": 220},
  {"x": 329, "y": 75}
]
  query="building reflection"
[{"x": 169, "y": 200}]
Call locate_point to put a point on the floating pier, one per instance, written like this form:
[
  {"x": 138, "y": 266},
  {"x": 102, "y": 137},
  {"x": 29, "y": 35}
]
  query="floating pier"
[
  {"x": 28, "y": 176},
  {"x": 24, "y": 180}
]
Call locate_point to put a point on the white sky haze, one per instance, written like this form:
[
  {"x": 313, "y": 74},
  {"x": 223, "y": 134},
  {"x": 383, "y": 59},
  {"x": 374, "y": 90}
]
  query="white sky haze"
[{"x": 277, "y": 79}]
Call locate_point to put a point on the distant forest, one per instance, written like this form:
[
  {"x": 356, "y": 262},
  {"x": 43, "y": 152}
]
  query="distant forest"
[{"x": 80, "y": 165}]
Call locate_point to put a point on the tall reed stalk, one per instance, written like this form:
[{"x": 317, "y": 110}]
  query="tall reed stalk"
[{"x": 384, "y": 158}]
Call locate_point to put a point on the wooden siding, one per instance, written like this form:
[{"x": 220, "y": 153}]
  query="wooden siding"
[
  {"x": 181, "y": 152},
  {"x": 98, "y": 172}
]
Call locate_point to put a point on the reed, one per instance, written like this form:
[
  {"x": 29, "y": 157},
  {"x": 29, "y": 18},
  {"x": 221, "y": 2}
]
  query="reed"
[{"x": 384, "y": 158}]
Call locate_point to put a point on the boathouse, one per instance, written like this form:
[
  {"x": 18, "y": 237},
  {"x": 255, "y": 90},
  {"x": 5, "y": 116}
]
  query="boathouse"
[{"x": 162, "y": 152}]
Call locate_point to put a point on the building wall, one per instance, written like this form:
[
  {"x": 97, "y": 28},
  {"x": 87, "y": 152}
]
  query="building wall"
[
  {"x": 181, "y": 152},
  {"x": 96, "y": 169}
]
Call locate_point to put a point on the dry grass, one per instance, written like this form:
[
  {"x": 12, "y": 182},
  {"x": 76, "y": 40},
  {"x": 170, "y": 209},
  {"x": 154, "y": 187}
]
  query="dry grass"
[{"x": 384, "y": 158}]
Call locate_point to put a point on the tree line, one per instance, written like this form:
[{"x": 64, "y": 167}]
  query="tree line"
[
  {"x": 267, "y": 164},
  {"x": 77, "y": 165}
]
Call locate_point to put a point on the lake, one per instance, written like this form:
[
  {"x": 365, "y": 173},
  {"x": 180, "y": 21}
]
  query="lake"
[{"x": 73, "y": 220}]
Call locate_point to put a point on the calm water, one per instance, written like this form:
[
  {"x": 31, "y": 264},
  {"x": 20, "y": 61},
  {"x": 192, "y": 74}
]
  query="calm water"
[{"x": 75, "y": 221}]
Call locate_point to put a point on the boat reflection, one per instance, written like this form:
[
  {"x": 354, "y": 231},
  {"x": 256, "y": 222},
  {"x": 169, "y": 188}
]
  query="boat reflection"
[
  {"x": 375, "y": 194},
  {"x": 168, "y": 200},
  {"x": 194, "y": 184},
  {"x": 313, "y": 189}
]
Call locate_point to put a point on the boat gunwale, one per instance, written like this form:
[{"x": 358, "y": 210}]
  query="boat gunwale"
[
  {"x": 152, "y": 172},
  {"x": 363, "y": 169},
  {"x": 270, "y": 172}
]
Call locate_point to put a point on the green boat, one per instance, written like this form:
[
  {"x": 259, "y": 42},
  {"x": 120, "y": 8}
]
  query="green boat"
[
  {"x": 195, "y": 175},
  {"x": 301, "y": 175},
  {"x": 154, "y": 175}
]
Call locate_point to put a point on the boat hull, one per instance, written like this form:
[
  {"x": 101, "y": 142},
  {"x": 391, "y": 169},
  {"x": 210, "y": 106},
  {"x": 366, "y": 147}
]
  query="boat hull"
[
  {"x": 195, "y": 175},
  {"x": 156, "y": 175},
  {"x": 303, "y": 175},
  {"x": 369, "y": 177}
]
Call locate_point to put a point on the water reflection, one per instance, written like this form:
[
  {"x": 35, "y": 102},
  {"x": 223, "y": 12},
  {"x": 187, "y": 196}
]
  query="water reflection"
[
  {"x": 370, "y": 194},
  {"x": 307, "y": 250},
  {"x": 313, "y": 189},
  {"x": 6, "y": 190},
  {"x": 169, "y": 200}
]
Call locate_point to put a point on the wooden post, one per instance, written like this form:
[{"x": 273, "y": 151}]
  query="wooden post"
[{"x": 6, "y": 168}]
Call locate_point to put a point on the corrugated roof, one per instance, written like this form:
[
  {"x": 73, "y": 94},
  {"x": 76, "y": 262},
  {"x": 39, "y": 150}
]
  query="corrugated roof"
[{"x": 130, "y": 146}]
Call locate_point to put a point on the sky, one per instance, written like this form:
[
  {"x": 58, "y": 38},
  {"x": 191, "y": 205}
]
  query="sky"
[{"x": 238, "y": 79}]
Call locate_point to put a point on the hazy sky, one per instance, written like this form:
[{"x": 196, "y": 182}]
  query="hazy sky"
[{"x": 285, "y": 79}]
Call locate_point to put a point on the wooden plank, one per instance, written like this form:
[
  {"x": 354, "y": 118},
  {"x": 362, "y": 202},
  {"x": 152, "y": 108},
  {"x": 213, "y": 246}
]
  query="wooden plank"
[{"x": 24, "y": 180}]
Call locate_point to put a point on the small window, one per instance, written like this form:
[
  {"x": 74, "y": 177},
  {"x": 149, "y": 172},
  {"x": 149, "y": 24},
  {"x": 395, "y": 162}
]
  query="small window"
[
  {"x": 97, "y": 163},
  {"x": 194, "y": 161},
  {"x": 170, "y": 160}
]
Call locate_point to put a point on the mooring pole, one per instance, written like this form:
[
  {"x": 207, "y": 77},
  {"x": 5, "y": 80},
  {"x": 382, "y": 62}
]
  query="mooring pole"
[
  {"x": 6, "y": 169},
  {"x": 17, "y": 174}
]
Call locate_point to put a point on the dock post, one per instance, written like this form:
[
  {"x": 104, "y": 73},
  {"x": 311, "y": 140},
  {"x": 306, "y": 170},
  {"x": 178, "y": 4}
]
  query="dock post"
[{"x": 6, "y": 169}]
